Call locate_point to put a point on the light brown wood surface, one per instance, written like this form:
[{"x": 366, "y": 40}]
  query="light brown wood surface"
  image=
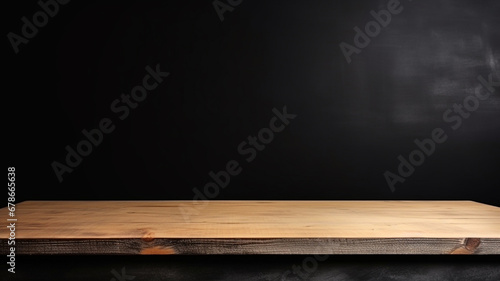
[{"x": 255, "y": 227}]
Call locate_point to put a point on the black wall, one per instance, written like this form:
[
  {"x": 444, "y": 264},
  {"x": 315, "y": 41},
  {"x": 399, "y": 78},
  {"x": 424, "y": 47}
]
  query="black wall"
[{"x": 353, "y": 119}]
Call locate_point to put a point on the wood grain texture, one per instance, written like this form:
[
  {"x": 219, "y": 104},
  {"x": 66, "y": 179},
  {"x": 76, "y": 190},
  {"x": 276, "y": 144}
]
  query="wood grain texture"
[{"x": 255, "y": 227}]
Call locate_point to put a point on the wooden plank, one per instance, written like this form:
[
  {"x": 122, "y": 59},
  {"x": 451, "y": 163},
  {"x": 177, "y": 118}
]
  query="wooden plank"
[{"x": 254, "y": 227}]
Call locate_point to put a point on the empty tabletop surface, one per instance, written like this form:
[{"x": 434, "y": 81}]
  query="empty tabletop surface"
[{"x": 253, "y": 227}]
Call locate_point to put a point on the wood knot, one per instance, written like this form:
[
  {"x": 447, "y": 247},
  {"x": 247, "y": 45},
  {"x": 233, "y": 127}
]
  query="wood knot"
[
  {"x": 148, "y": 237},
  {"x": 471, "y": 244},
  {"x": 158, "y": 250},
  {"x": 469, "y": 247}
]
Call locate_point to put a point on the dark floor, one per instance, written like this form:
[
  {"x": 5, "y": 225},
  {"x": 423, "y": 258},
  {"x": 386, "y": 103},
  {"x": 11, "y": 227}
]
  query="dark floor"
[{"x": 121, "y": 268}]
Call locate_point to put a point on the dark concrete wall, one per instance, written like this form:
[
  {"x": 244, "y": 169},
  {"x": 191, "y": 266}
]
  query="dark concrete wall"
[{"x": 352, "y": 121}]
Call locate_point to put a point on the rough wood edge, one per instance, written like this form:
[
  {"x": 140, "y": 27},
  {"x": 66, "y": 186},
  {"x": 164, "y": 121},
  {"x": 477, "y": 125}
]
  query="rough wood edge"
[{"x": 306, "y": 246}]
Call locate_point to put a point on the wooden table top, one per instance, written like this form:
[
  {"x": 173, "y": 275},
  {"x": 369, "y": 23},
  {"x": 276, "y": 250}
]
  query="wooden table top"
[{"x": 254, "y": 227}]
